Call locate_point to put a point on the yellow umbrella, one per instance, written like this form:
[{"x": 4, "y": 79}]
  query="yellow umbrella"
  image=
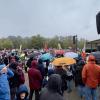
[{"x": 63, "y": 61}]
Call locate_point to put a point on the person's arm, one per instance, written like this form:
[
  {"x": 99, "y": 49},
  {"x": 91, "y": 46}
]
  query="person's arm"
[
  {"x": 84, "y": 74},
  {"x": 9, "y": 73},
  {"x": 4, "y": 70}
]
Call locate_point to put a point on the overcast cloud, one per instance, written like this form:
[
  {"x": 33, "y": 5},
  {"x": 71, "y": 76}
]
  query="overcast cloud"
[{"x": 49, "y": 18}]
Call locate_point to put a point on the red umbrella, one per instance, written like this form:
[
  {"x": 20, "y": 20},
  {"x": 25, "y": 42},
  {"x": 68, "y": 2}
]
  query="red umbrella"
[{"x": 59, "y": 52}]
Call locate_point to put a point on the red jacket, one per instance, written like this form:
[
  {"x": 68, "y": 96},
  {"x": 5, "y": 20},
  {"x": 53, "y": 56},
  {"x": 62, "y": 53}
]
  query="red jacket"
[
  {"x": 91, "y": 74},
  {"x": 34, "y": 77}
]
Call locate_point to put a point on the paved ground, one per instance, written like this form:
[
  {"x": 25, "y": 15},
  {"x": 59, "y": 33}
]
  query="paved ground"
[{"x": 71, "y": 96}]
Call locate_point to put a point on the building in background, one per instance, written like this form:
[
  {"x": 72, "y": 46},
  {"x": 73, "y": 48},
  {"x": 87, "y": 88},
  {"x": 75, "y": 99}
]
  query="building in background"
[{"x": 93, "y": 46}]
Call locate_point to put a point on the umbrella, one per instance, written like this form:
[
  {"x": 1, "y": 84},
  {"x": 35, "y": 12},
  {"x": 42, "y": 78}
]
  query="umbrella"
[
  {"x": 59, "y": 52},
  {"x": 46, "y": 56},
  {"x": 71, "y": 55},
  {"x": 63, "y": 61}
]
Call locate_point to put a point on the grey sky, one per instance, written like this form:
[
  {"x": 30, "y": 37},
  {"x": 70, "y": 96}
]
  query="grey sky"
[{"x": 49, "y": 17}]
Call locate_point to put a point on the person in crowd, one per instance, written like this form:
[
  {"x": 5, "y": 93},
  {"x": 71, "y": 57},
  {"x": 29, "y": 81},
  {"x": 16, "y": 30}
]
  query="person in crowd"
[
  {"x": 69, "y": 73},
  {"x": 22, "y": 93},
  {"x": 41, "y": 67},
  {"x": 6, "y": 60},
  {"x": 35, "y": 79},
  {"x": 21, "y": 78},
  {"x": 29, "y": 62},
  {"x": 53, "y": 89},
  {"x": 45, "y": 80},
  {"x": 91, "y": 76},
  {"x": 62, "y": 72},
  {"x": 78, "y": 78},
  {"x": 46, "y": 69},
  {"x": 17, "y": 79},
  {"x": 50, "y": 72},
  {"x": 13, "y": 56},
  {"x": 25, "y": 66},
  {"x": 5, "y": 74},
  {"x": 83, "y": 54},
  {"x": 42, "y": 70}
]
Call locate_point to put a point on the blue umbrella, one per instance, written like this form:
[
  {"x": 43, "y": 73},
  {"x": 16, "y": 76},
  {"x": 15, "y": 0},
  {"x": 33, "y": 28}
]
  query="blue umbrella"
[
  {"x": 71, "y": 55},
  {"x": 46, "y": 56}
]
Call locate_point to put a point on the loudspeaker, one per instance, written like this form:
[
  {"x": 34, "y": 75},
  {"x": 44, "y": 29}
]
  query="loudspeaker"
[{"x": 98, "y": 22}]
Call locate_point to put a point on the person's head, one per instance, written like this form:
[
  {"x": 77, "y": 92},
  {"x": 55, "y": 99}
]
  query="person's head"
[
  {"x": 34, "y": 64},
  {"x": 12, "y": 54},
  {"x": 31, "y": 58},
  {"x": 13, "y": 65},
  {"x": 91, "y": 58},
  {"x": 40, "y": 61},
  {"x": 54, "y": 83},
  {"x": 22, "y": 96},
  {"x": 50, "y": 72},
  {"x": 13, "y": 60},
  {"x": 22, "y": 92}
]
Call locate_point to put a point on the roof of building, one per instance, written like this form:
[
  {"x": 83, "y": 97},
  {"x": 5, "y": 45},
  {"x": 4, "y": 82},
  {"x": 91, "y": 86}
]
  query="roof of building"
[{"x": 94, "y": 41}]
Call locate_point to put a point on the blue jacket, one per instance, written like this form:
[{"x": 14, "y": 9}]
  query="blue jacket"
[
  {"x": 22, "y": 89},
  {"x": 4, "y": 84}
]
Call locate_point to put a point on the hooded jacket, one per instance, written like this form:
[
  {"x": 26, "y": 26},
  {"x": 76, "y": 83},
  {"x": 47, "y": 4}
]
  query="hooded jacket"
[
  {"x": 14, "y": 81},
  {"x": 53, "y": 89},
  {"x": 4, "y": 84},
  {"x": 91, "y": 73},
  {"x": 22, "y": 89},
  {"x": 35, "y": 76},
  {"x": 78, "y": 73},
  {"x": 63, "y": 75},
  {"x": 41, "y": 67}
]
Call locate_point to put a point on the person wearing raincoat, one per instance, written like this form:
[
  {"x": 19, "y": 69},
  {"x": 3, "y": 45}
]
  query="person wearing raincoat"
[
  {"x": 62, "y": 72},
  {"x": 5, "y": 74},
  {"x": 53, "y": 89},
  {"x": 78, "y": 77},
  {"x": 91, "y": 77},
  {"x": 35, "y": 79},
  {"x": 41, "y": 67},
  {"x": 22, "y": 93}
]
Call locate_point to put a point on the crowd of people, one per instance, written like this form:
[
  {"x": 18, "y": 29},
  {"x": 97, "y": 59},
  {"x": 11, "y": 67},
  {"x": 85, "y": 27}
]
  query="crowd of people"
[{"x": 46, "y": 81}]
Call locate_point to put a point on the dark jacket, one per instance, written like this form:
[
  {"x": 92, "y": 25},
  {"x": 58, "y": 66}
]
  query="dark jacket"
[
  {"x": 21, "y": 77},
  {"x": 22, "y": 89},
  {"x": 35, "y": 77},
  {"x": 29, "y": 62},
  {"x": 41, "y": 67},
  {"x": 78, "y": 73},
  {"x": 14, "y": 81},
  {"x": 63, "y": 75},
  {"x": 53, "y": 89},
  {"x": 6, "y": 61}
]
